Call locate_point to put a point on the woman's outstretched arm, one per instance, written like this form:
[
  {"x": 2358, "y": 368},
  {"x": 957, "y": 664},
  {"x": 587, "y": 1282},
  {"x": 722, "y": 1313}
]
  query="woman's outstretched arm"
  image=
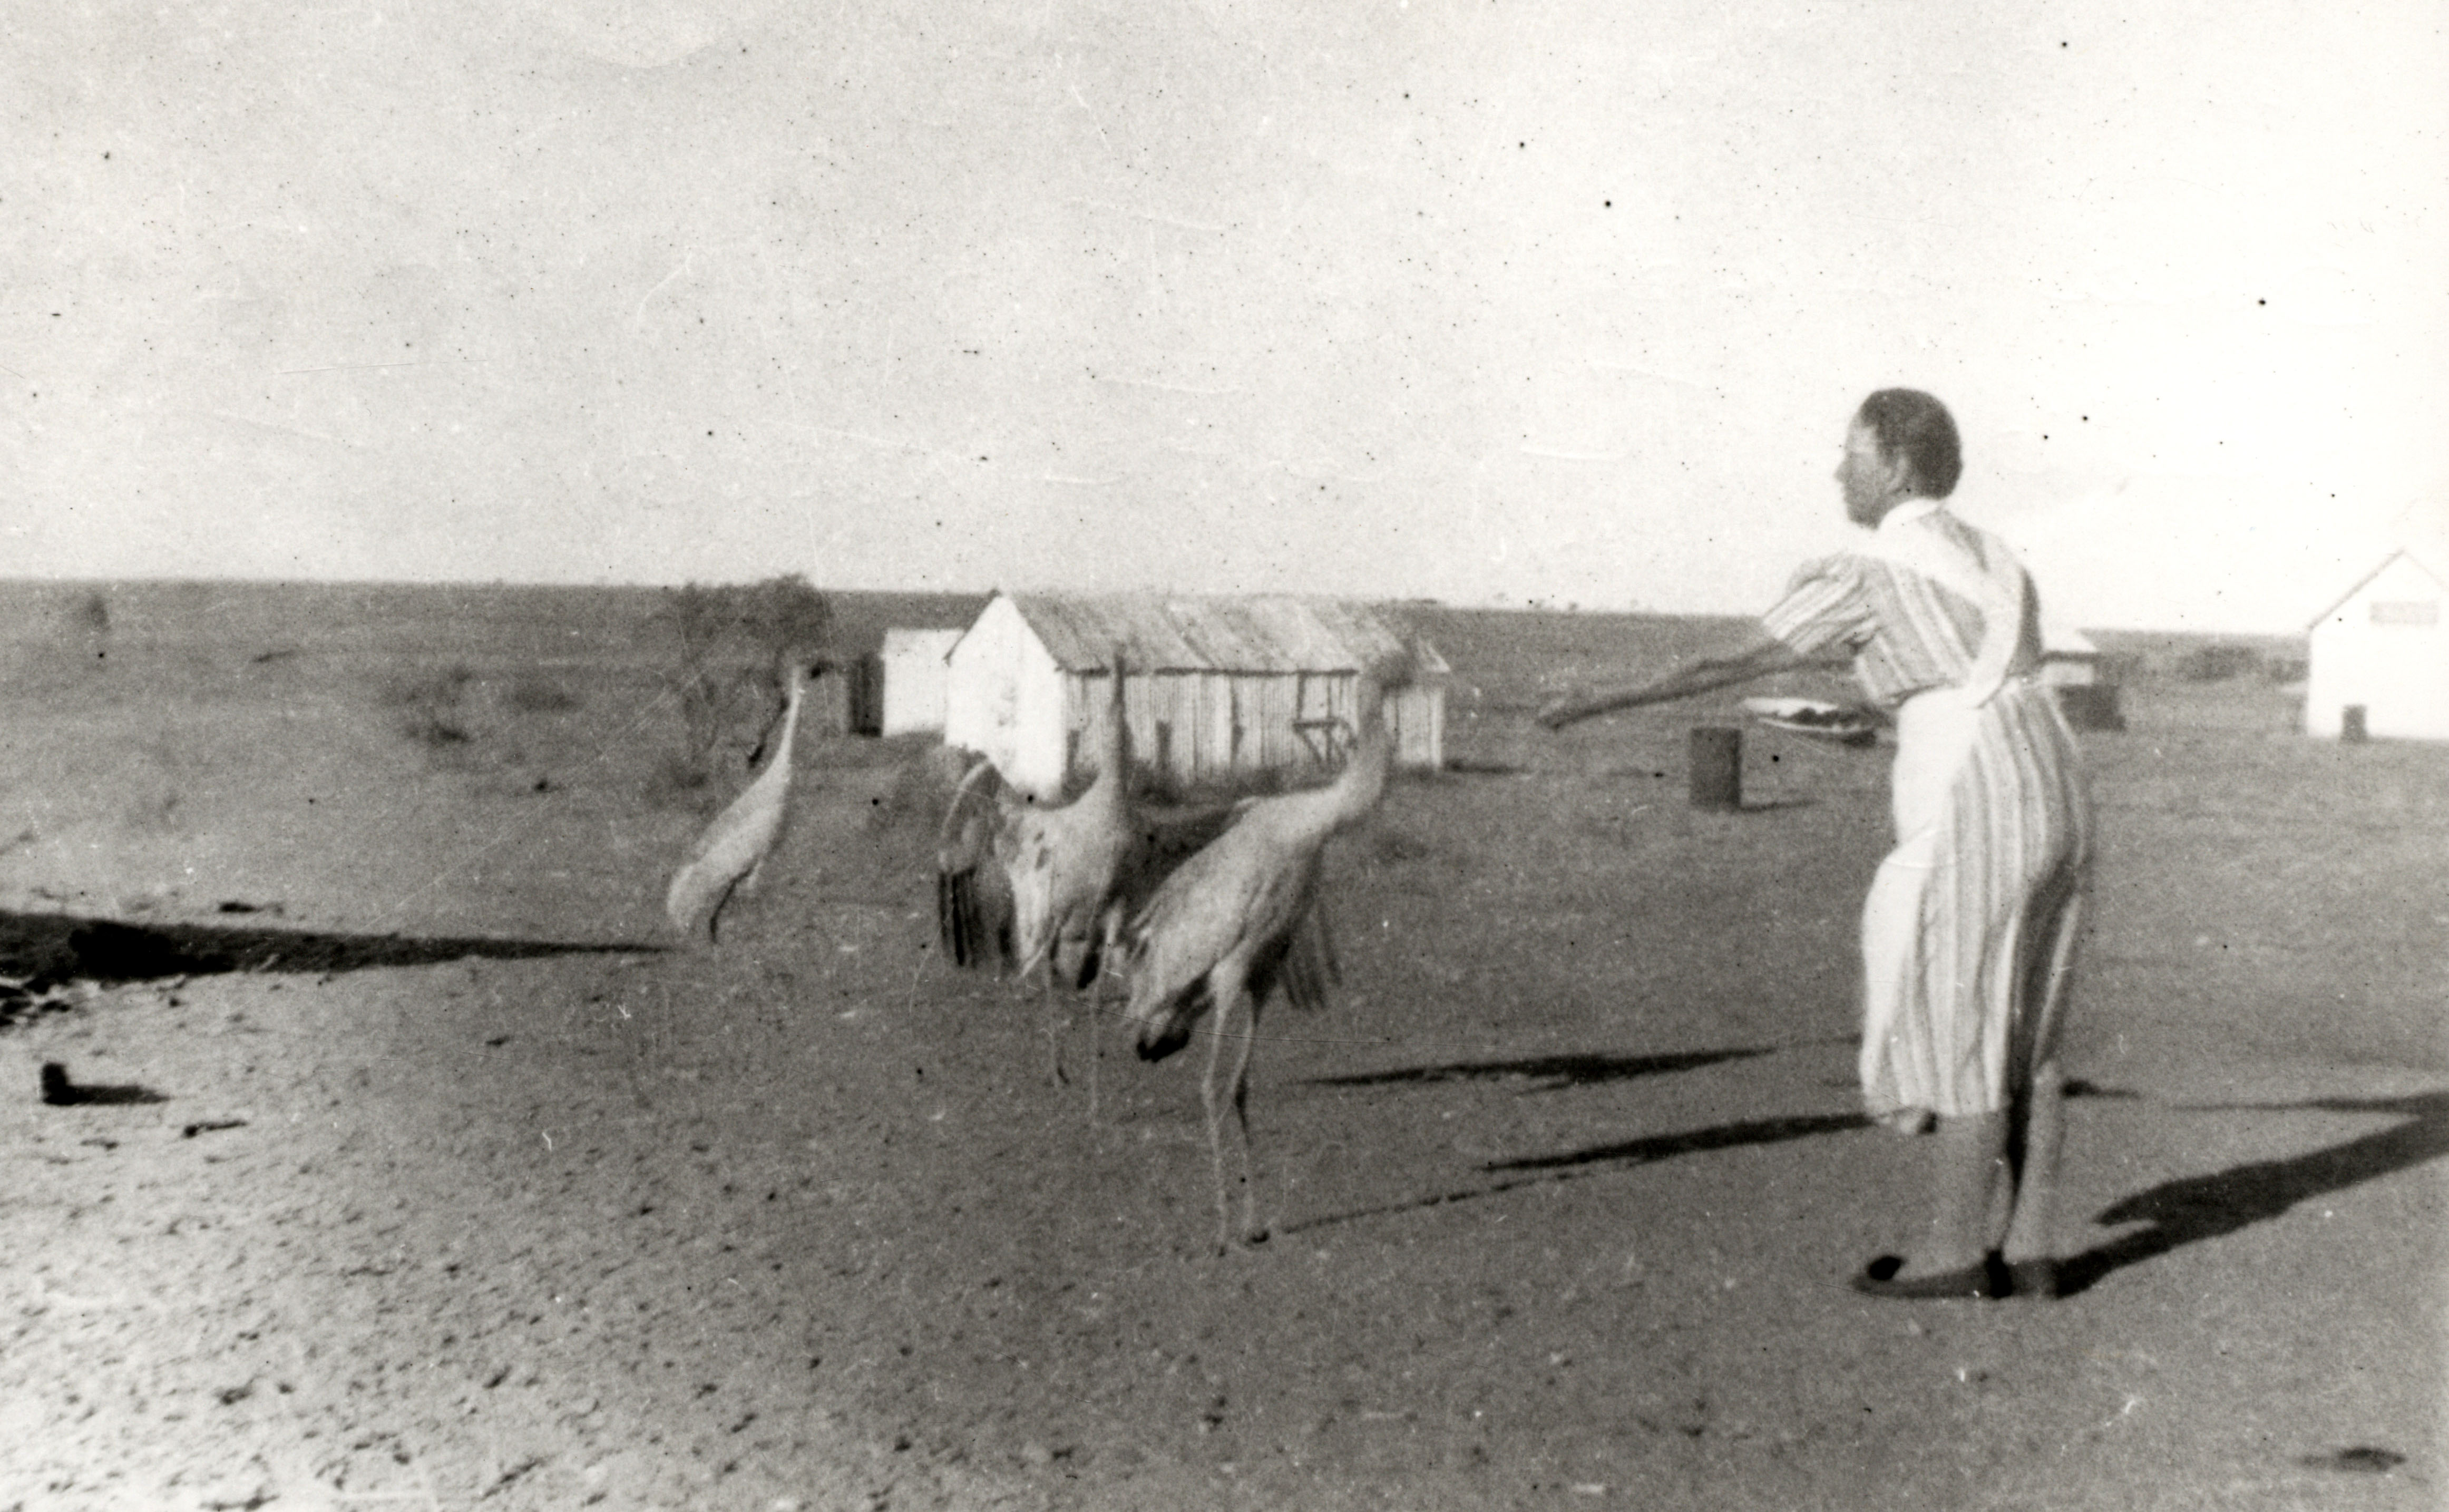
[{"x": 1760, "y": 656}]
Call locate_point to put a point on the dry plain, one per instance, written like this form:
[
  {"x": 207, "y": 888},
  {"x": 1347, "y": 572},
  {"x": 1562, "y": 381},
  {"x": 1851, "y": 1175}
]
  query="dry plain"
[{"x": 425, "y": 1171}]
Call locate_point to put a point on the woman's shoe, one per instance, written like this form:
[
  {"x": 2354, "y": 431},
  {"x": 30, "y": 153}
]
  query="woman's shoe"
[
  {"x": 1880, "y": 1279},
  {"x": 2035, "y": 1279}
]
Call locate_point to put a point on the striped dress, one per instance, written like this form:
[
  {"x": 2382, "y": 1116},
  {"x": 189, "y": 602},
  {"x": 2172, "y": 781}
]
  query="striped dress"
[{"x": 1969, "y": 933}]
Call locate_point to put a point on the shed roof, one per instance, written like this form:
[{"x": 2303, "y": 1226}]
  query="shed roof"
[
  {"x": 2365, "y": 582},
  {"x": 936, "y": 642},
  {"x": 1172, "y": 633}
]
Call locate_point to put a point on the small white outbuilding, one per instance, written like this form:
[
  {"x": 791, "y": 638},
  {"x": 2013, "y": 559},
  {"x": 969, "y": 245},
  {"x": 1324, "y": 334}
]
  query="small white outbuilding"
[
  {"x": 913, "y": 664},
  {"x": 2381, "y": 655},
  {"x": 2069, "y": 658},
  {"x": 2074, "y": 669},
  {"x": 1215, "y": 688}
]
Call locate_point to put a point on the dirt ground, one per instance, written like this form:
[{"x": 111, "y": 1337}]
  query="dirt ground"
[{"x": 416, "y": 1168}]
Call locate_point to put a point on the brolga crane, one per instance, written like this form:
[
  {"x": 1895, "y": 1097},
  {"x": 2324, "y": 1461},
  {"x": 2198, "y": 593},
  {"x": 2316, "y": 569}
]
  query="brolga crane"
[
  {"x": 1062, "y": 869},
  {"x": 1069, "y": 862},
  {"x": 1241, "y": 921},
  {"x": 1049, "y": 886},
  {"x": 731, "y": 856}
]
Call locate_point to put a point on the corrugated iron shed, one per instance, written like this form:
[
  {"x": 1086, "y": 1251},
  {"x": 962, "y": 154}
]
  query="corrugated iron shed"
[{"x": 1168, "y": 634}]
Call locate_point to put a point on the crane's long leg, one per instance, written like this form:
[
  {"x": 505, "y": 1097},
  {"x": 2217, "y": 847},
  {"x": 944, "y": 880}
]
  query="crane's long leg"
[
  {"x": 1207, "y": 1095},
  {"x": 1046, "y": 1014},
  {"x": 1096, "y": 1042},
  {"x": 952, "y": 910},
  {"x": 1252, "y": 1229},
  {"x": 1236, "y": 1022},
  {"x": 714, "y": 915},
  {"x": 1109, "y": 933}
]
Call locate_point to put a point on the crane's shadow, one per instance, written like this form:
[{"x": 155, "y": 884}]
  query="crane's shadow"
[
  {"x": 1597, "y": 1160},
  {"x": 60, "y": 1092},
  {"x": 1584, "y": 1069},
  {"x": 2192, "y": 1209},
  {"x": 42, "y": 951},
  {"x": 1551, "y": 1073}
]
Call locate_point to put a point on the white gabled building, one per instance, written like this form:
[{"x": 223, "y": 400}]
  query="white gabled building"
[
  {"x": 2383, "y": 649},
  {"x": 913, "y": 666},
  {"x": 1215, "y": 687}
]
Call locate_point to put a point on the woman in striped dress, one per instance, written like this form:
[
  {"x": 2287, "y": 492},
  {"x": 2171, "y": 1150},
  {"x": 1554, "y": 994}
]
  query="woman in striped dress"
[{"x": 1970, "y": 930}]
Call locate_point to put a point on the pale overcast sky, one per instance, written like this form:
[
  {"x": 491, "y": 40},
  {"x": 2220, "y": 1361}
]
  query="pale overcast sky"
[{"x": 1491, "y": 303}]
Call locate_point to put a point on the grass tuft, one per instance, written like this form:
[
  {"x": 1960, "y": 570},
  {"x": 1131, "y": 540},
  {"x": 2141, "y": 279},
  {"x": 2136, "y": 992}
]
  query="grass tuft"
[
  {"x": 532, "y": 694},
  {"x": 428, "y": 707}
]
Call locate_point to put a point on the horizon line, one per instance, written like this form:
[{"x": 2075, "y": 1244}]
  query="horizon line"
[{"x": 1414, "y": 601}]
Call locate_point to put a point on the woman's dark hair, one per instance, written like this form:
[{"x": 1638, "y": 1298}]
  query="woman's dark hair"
[{"x": 1911, "y": 424}]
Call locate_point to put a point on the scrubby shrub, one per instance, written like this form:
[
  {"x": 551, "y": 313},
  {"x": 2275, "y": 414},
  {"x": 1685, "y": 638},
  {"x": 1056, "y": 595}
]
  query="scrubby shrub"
[
  {"x": 532, "y": 694},
  {"x": 777, "y": 620},
  {"x": 432, "y": 729},
  {"x": 676, "y": 782},
  {"x": 428, "y": 707},
  {"x": 91, "y": 616},
  {"x": 82, "y": 626},
  {"x": 440, "y": 687},
  {"x": 719, "y": 706},
  {"x": 734, "y": 641},
  {"x": 153, "y": 812}
]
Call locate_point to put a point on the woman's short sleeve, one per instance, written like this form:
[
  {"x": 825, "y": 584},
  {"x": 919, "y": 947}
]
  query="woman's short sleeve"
[{"x": 1824, "y": 606}]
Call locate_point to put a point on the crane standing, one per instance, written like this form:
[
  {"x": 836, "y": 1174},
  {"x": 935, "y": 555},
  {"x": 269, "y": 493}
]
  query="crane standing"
[
  {"x": 1240, "y": 921},
  {"x": 731, "y": 856}
]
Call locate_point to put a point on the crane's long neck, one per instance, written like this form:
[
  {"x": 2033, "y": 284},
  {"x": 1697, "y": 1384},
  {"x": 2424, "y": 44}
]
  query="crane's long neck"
[
  {"x": 1113, "y": 746},
  {"x": 1362, "y": 782},
  {"x": 782, "y": 758}
]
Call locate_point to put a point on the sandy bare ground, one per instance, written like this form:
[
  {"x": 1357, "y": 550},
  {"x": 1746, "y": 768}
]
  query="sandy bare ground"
[{"x": 391, "y": 1199}]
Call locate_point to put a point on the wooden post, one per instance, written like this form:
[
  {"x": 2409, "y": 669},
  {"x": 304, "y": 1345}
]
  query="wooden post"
[{"x": 1717, "y": 762}]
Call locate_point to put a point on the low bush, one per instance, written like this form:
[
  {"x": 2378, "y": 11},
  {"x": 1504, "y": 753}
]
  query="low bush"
[
  {"x": 428, "y": 706},
  {"x": 677, "y": 781},
  {"x": 531, "y": 693},
  {"x": 440, "y": 687}
]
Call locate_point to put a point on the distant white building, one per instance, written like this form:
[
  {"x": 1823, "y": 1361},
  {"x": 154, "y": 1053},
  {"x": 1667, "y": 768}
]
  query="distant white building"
[
  {"x": 2071, "y": 666},
  {"x": 1214, "y": 687},
  {"x": 2382, "y": 649},
  {"x": 914, "y": 673},
  {"x": 2068, "y": 659}
]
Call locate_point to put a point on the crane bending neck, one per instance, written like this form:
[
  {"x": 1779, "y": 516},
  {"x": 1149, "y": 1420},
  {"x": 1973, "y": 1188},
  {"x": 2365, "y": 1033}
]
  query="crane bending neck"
[{"x": 1362, "y": 782}]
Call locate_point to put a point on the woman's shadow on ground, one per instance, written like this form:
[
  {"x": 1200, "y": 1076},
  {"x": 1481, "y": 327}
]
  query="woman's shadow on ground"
[{"x": 2187, "y": 1210}]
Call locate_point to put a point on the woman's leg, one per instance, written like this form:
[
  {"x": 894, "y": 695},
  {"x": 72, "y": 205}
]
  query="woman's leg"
[
  {"x": 1968, "y": 1166},
  {"x": 2040, "y": 1100},
  {"x": 2030, "y": 1221},
  {"x": 1897, "y": 1055}
]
